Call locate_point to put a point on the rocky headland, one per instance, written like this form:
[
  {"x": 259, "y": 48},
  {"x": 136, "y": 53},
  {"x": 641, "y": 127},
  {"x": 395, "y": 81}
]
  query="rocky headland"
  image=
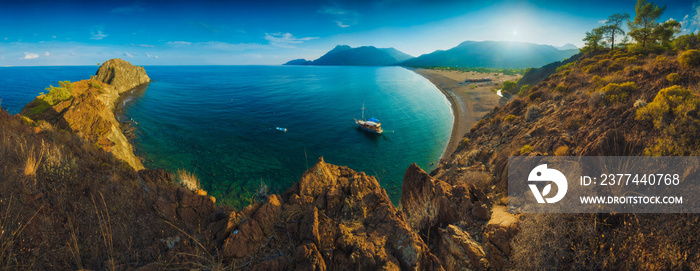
[{"x": 86, "y": 107}]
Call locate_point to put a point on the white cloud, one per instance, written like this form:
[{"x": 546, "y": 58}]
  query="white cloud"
[
  {"x": 128, "y": 9},
  {"x": 143, "y": 45},
  {"x": 151, "y": 56},
  {"x": 341, "y": 24},
  {"x": 28, "y": 55},
  {"x": 6, "y": 38},
  {"x": 343, "y": 17},
  {"x": 602, "y": 21},
  {"x": 691, "y": 22},
  {"x": 47, "y": 54},
  {"x": 98, "y": 35},
  {"x": 179, "y": 43},
  {"x": 53, "y": 37},
  {"x": 285, "y": 39},
  {"x": 127, "y": 54},
  {"x": 218, "y": 45},
  {"x": 224, "y": 46}
]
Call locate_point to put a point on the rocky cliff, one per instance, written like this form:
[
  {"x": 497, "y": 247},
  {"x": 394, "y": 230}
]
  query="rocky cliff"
[{"x": 87, "y": 107}]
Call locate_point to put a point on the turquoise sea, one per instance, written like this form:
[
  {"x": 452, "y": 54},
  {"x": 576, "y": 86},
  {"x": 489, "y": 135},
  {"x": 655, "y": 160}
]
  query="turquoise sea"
[{"x": 219, "y": 121}]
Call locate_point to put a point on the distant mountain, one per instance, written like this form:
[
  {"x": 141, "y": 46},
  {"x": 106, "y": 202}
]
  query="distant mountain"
[
  {"x": 343, "y": 55},
  {"x": 396, "y": 54},
  {"x": 300, "y": 61},
  {"x": 567, "y": 46},
  {"x": 493, "y": 54}
]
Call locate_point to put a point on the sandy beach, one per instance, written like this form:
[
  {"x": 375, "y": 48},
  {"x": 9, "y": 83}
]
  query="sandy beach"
[{"x": 470, "y": 101}]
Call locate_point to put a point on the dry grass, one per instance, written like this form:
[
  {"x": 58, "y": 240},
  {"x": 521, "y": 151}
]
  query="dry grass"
[
  {"x": 187, "y": 179},
  {"x": 11, "y": 229},
  {"x": 32, "y": 156},
  {"x": 105, "y": 224}
]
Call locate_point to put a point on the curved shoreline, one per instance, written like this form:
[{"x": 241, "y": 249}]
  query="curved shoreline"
[
  {"x": 456, "y": 113},
  {"x": 469, "y": 102}
]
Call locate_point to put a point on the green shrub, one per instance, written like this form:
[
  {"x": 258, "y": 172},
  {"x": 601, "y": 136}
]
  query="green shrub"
[
  {"x": 564, "y": 67},
  {"x": 617, "y": 93},
  {"x": 509, "y": 86},
  {"x": 587, "y": 61},
  {"x": 97, "y": 85},
  {"x": 525, "y": 149},
  {"x": 597, "y": 81},
  {"x": 673, "y": 78},
  {"x": 690, "y": 59},
  {"x": 510, "y": 118},
  {"x": 524, "y": 90},
  {"x": 40, "y": 108},
  {"x": 58, "y": 94},
  {"x": 534, "y": 95},
  {"x": 670, "y": 103},
  {"x": 561, "y": 89},
  {"x": 615, "y": 67},
  {"x": 29, "y": 121},
  {"x": 674, "y": 112}
]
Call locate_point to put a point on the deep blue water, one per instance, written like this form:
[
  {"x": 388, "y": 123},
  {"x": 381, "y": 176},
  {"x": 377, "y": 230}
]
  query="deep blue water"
[{"x": 219, "y": 121}]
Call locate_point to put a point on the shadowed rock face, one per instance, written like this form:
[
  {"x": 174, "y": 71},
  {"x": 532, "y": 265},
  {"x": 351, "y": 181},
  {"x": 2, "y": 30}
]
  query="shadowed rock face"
[
  {"x": 90, "y": 111},
  {"x": 334, "y": 218},
  {"x": 121, "y": 75}
]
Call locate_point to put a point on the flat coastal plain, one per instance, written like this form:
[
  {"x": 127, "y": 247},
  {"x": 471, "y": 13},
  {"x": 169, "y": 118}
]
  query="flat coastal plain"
[{"x": 470, "y": 101}]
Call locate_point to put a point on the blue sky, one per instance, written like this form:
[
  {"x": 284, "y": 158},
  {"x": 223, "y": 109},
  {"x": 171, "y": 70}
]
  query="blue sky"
[{"x": 38, "y": 33}]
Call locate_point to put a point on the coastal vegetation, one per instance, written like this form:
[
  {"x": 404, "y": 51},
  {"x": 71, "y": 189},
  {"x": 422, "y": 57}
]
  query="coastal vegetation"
[
  {"x": 55, "y": 95},
  {"x": 477, "y": 70}
]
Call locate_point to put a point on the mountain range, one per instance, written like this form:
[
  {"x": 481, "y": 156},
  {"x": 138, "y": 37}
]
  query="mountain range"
[
  {"x": 486, "y": 54},
  {"x": 344, "y": 55}
]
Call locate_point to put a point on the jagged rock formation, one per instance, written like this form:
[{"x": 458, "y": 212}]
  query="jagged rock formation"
[
  {"x": 333, "y": 219},
  {"x": 89, "y": 111}
]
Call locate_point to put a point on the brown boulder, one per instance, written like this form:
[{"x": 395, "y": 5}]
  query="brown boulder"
[
  {"x": 458, "y": 250},
  {"x": 245, "y": 232},
  {"x": 500, "y": 230},
  {"x": 309, "y": 259},
  {"x": 427, "y": 201}
]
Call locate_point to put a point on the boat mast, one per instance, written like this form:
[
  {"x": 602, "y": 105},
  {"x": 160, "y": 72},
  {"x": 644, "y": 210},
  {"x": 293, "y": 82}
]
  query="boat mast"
[{"x": 363, "y": 110}]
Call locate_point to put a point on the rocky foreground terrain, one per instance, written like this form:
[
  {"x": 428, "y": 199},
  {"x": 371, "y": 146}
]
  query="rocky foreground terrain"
[{"x": 73, "y": 196}]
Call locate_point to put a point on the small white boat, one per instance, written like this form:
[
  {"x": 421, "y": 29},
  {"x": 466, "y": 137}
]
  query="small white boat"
[{"x": 282, "y": 129}]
